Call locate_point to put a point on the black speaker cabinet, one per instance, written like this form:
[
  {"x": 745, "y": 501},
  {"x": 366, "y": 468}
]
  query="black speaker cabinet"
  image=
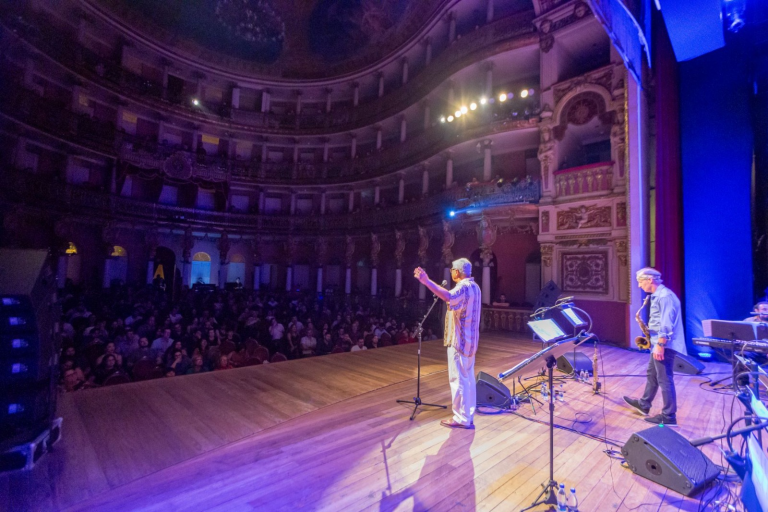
[
  {"x": 663, "y": 456},
  {"x": 571, "y": 361},
  {"x": 688, "y": 365},
  {"x": 491, "y": 392},
  {"x": 547, "y": 296}
]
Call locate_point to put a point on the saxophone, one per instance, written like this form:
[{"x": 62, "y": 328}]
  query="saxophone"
[{"x": 643, "y": 342}]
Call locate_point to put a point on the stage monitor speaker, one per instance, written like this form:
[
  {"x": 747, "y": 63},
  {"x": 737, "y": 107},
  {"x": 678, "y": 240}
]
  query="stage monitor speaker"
[
  {"x": 663, "y": 456},
  {"x": 688, "y": 365},
  {"x": 28, "y": 351},
  {"x": 574, "y": 361},
  {"x": 547, "y": 296},
  {"x": 491, "y": 392}
]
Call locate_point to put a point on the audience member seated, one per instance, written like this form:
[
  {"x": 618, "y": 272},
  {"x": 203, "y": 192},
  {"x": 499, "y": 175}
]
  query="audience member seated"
[{"x": 501, "y": 302}]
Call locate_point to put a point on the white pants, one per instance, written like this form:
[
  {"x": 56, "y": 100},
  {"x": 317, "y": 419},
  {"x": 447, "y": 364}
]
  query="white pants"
[{"x": 461, "y": 375}]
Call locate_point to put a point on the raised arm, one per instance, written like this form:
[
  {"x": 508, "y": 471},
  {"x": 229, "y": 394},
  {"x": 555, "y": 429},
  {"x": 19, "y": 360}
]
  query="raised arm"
[{"x": 421, "y": 274}]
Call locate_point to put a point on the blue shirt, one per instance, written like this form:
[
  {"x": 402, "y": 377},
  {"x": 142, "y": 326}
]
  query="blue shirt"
[{"x": 666, "y": 319}]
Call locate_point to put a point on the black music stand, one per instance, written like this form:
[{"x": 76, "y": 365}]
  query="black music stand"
[{"x": 417, "y": 399}]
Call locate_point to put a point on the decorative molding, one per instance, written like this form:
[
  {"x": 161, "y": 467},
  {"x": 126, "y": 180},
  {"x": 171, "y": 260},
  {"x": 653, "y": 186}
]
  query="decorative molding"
[
  {"x": 583, "y": 217},
  {"x": 585, "y": 272}
]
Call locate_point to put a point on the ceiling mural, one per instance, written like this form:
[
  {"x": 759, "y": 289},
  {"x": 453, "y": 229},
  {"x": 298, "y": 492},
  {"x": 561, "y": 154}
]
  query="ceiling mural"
[
  {"x": 338, "y": 29},
  {"x": 302, "y": 37},
  {"x": 253, "y": 30}
]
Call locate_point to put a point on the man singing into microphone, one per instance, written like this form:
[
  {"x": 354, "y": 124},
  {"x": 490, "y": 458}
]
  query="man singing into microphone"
[{"x": 462, "y": 331}]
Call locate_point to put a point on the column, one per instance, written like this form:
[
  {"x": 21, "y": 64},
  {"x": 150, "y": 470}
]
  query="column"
[
  {"x": 355, "y": 94},
  {"x": 428, "y": 51},
  {"x": 405, "y": 70},
  {"x": 322, "y": 203},
  {"x": 293, "y": 203},
  {"x": 326, "y": 150},
  {"x": 298, "y": 103},
  {"x": 489, "y": 11},
  {"x": 195, "y": 139},
  {"x": 150, "y": 270},
  {"x": 328, "y": 100},
  {"x": 320, "y": 279},
  {"x": 264, "y": 152},
  {"x": 348, "y": 281},
  {"x": 262, "y": 201},
  {"x": 451, "y": 27},
  {"x": 374, "y": 282},
  {"x": 486, "y": 286},
  {"x": 427, "y": 120},
  {"x": 487, "y": 160},
  {"x": 381, "y": 84},
  {"x": 401, "y": 190},
  {"x": 256, "y": 276},
  {"x": 376, "y": 194},
  {"x": 186, "y": 272},
  {"x": 489, "y": 80},
  {"x": 223, "y": 267},
  {"x": 449, "y": 172},
  {"x": 289, "y": 278},
  {"x": 398, "y": 282},
  {"x": 425, "y": 181},
  {"x": 235, "y": 97},
  {"x": 403, "y": 128},
  {"x": 378, "y": 137},
  {"x": 61, "y": 270},
  {"x": 353, "y": 150},
  {"x": 264, "y": 98},
  {"x": 351, "y": 201}
]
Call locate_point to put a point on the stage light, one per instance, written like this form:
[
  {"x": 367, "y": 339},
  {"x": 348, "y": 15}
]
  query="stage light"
[
  {"x": 450, "y": 119},
  {"x": 524, "y": 93},
  {"x": 463, "y": 109},
  {"x": 452, "y": 213},
  {"x": 196, "y": 102},
  {"x": 457, "y": 114},
  {"x": 502, "y": 97},
  {"x": 473, "y": 106},
  {"x": 442, "y": 119},
  {"x": 483, "y": 101}
]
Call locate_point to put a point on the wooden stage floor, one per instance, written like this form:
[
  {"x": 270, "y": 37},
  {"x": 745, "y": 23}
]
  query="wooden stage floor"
[{"x": 326, "y": 434}]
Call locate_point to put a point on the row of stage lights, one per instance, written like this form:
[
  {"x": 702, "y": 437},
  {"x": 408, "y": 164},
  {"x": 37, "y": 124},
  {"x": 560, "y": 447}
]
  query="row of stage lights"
[{"x": 484, "y": 101}]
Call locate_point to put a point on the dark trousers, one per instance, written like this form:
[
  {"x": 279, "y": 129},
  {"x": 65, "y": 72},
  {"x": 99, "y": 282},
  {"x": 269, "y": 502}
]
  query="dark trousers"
[{"x": 661, "y": 375}]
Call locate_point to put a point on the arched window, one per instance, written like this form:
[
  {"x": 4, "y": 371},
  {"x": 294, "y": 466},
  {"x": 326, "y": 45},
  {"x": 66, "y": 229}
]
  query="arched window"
[
  {"x": 236, "y": 269},
  {"x": 201, "y": 269}
]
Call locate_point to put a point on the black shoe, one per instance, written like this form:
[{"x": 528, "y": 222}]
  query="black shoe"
[
  {"x": 636, "y": 405},
  {"x": 661, "y": 420}
]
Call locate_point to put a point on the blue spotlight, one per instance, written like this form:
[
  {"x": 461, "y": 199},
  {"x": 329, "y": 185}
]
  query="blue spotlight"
[{"x": 452, "y": 213}]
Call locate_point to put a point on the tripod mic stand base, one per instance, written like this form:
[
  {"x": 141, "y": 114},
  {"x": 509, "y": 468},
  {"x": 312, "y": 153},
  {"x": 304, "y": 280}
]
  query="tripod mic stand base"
[
  {"x": 547, "y": 496},
  {"x": 417, "y": 403}
]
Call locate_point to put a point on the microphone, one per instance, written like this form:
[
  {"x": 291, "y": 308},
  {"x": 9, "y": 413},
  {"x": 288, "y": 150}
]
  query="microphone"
[
  {"x": 565, "y": 299},
  {"x": 444, "y": 283}
]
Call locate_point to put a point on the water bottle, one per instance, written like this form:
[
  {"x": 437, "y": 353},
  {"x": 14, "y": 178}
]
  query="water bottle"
[
  {"x": 562, "y": 505},
  {"x": 573, "y": 502},
  {"x": 544, "y": 392}
]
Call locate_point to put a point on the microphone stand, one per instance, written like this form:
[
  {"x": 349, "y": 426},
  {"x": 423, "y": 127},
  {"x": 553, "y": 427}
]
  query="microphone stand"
[{"x": 417, "y": 399}]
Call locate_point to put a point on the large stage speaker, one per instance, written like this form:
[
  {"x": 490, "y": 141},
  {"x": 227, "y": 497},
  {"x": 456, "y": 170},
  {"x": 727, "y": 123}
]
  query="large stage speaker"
[
  {"x": 547, "y": 296},
  {"x": 663, "y": 456},
  {"x": 574, "y": 361},
  {"x": 491, "y": 392},
  {"x": 28, "y": 351},
  {"x": 688, "y": 365}
]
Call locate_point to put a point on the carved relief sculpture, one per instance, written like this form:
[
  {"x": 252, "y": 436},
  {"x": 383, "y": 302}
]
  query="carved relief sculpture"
[
  {"x": 375, "y": 249},
  {"x": 546, "y": 254},
  {"x": 621, "y": 215},
  {"x": 349, "y": 256},
  {"x": 423, "y": 245},
  {"x": 582, "y": 217},
  {"x": 545, "y": 221},
  {"x": 448, "y": 240},
  {"x": 486, "y": 237},
  {"x": 399, "y": 247},
  {"x": 187, "y": 243}
]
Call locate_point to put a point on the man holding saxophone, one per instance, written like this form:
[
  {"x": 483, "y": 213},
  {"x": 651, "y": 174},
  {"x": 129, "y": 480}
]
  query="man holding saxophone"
[{"x": 667, "y": 338}]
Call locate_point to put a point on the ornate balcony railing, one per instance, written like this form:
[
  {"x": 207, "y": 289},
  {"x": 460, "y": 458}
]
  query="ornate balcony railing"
[
  {"x": 504, "y": 319},
  {"x": 29, "y": 189},
  {"x": 584, "y": 180},
  {"x": 501, "y": 35}
]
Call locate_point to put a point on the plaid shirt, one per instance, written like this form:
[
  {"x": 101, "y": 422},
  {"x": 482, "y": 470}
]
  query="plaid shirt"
[{"x": 462, "y": 319}]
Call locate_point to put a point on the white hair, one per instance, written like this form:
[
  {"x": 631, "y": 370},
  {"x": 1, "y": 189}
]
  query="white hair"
[
  {"x": 463, "y": 265},
  {"x": 648, "y": 273}
]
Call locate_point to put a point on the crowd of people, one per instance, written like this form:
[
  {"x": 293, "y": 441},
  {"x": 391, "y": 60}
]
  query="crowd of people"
[{"x": 136, "y": 333}]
